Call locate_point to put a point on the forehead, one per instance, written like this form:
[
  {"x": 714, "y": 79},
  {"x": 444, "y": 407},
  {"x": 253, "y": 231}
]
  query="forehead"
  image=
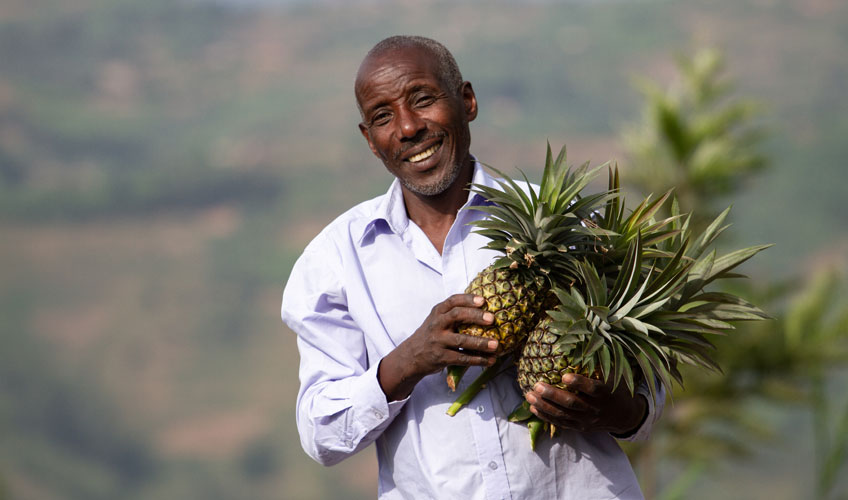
[{"x": 390, "y": 73}]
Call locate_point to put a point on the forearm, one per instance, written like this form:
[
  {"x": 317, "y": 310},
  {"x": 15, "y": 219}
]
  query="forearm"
[
  {"x": 436, "y": 345},
  {"x": 338, "y": 418},
  {"x": 655, "y": 404},
  {"x": 395, "y": 377},
  {"x": 632, "y": 418}
]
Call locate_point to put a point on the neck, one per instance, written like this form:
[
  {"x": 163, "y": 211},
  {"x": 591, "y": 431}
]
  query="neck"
[{"x": 436, "y": 214}]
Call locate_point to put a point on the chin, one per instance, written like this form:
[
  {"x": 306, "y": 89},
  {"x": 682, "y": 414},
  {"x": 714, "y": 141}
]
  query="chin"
[{"x": 438, "y": 186}]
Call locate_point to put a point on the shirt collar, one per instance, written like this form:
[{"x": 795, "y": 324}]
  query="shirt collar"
[{"x": 392, "y": 212}]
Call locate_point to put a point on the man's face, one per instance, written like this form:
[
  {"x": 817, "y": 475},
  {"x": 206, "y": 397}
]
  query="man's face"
[{"x": 413, "y": 124}]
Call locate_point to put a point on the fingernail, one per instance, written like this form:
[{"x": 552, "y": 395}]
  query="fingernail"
[
  {"x": 530, "y": 398},
  {"x": 568, "y": 378},
  {"x": 539, "y": 388},
  {"x": 488, "y": 317},
  {"x": 493, "y": 344},
  {"x": 478, "y": 300}
]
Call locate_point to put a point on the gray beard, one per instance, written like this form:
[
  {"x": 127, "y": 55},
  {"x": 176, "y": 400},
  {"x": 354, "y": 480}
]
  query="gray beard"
[{"x": 438, "y": 187}]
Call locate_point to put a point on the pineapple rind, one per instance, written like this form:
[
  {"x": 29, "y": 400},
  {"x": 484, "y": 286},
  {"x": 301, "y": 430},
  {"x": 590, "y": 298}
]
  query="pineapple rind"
[{"x": 514, "y": 297}]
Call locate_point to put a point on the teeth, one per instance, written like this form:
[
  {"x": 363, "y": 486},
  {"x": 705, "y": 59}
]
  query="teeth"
[{"x": 424, "y": 154}]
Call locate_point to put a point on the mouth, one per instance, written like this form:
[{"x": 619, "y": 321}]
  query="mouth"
[
  {"x": 416, "y": 158},
  {"x": 423, "y": 155}
]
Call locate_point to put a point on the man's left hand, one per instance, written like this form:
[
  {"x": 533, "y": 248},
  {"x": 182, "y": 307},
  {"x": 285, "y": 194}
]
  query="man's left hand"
[{"x": 588, "y": 405}]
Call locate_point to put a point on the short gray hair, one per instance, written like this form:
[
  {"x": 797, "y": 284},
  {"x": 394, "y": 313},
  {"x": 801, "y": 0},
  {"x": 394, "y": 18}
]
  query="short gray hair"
[{"x": 448, "y": 69}]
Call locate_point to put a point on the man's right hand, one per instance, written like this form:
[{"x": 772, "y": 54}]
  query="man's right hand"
[{"x": 436, "y": 344}]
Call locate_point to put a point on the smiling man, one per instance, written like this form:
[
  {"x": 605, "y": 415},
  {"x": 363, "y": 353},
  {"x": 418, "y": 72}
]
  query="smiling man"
[{"x": 375, "y": 300}]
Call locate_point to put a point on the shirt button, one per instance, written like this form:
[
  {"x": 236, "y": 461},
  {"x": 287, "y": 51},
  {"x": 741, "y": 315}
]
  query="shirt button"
[
  {"x": 480, "y": 409},
  {"x": 378, "y": 414},
  {"x": 493, "y": 465}
]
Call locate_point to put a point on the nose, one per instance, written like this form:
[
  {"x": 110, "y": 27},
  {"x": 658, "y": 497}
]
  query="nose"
[{"x": 409, "y": 123}]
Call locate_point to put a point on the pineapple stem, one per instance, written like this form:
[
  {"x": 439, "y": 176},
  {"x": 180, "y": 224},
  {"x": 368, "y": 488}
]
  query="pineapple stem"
[
  {"x": 535, "y": 426},
  {"x": 475, "y": 387},
  {"x": 455, "y": 374}
]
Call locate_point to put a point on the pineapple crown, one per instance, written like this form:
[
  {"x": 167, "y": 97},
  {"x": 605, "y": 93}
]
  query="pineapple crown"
[
  {"x": 542, "y": 230},
  {"x": 639, "y": 305}
]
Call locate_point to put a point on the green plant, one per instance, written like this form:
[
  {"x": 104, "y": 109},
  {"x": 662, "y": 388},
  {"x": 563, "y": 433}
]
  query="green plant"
[{"x": 697, "y": 138}]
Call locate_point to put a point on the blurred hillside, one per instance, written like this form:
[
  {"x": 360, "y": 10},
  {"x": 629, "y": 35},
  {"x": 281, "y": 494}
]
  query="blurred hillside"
[{"x": 163, "y": 163}]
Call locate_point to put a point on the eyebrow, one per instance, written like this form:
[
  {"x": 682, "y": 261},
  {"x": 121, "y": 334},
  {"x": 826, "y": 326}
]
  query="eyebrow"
[{"x": 417, "y": 86}]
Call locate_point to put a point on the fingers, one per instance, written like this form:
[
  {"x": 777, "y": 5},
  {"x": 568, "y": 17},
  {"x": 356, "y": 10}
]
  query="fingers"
[
  {"x": 468, "y": 359},
  {"x": 437, "y": 344},
  {"x": 462, "y": 308},
  {"x": 460, "y": 300},
  {"x": 558, "y": 403},
  {"x": 472, "y": 343},
  {"x": 562, "y": 408},
  {"x": 590, "y": 387},
  {"x": 586, "y": 404}
]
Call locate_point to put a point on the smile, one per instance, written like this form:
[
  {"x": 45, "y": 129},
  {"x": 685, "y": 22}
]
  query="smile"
[{"x": 424, "y": 154}]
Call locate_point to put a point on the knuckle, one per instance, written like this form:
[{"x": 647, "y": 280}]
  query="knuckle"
[{"x": 556, "y": 412}]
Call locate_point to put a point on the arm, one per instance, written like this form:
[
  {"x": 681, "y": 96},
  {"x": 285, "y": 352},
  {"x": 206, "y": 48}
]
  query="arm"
[
  {"x": 592, "y": 405},
  {"x": 345, "y": 400},
  {"x": 435, "y": 345},
  {"x": 339, "y": 402}
]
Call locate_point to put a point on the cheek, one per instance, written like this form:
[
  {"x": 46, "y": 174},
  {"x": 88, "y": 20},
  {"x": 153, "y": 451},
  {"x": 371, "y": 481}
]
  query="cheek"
[{"x": 380, "y": 145}]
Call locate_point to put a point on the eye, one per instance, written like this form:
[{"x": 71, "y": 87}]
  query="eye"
[
  {"x": 380, "y": 118},
  {"x": 422, "y": 100}
]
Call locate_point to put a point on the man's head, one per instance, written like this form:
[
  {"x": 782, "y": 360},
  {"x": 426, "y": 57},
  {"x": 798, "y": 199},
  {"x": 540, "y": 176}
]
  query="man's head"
[{"x": 415, "y": 112}]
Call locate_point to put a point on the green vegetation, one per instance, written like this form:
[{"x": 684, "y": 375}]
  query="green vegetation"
[{"x": 699, "y": 140}]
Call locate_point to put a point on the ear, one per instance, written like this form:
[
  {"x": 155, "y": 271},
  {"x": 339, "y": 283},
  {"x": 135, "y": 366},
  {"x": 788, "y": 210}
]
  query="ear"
[
  {"x": 470, "y": 100},
  {"x": 364, "y": 131}
]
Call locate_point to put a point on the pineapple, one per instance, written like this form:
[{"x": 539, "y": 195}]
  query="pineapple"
[
  {"x": 539, "y": 234},
  {"x": 514, "y": 297},
  {"x": 624, "y": 295},
  {"x": 638, "y": 307},
  {"x": 543, "y": 359}
]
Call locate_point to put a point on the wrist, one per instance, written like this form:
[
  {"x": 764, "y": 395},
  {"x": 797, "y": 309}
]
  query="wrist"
[
  {"x": 393, "y": 378},
  {"x": 634, "y": 419}
]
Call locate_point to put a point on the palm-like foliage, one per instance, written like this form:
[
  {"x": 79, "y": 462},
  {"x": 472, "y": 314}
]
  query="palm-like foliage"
[
  {"x": 634, "y": 314},
  {"x": 695, "y": 136},
  {"x": 631, "y": 292},
  {"x": 541, "y": 228},
  {"x": 698, "y": 138},
  {"x": 540, "y": 235}
]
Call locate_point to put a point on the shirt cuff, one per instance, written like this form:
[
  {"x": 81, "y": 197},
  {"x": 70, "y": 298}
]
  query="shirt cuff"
[{"x": 374, "y": 412}]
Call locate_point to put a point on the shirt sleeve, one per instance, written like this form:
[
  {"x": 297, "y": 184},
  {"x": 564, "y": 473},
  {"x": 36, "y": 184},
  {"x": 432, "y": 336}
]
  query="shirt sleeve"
[
  {"x": 656, "y": 404},
  {"x": 341, "y": 407}
]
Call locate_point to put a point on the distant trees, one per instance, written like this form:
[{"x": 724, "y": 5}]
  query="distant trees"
[{"x": 697, "y": 138}]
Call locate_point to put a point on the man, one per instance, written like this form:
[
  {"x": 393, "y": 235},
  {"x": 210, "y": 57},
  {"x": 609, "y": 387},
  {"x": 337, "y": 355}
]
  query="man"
[{"x": 375, "y": 299}]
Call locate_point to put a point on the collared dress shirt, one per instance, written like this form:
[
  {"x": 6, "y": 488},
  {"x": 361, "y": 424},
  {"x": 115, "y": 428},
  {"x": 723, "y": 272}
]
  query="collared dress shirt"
[{"x": 361, "y": 287}]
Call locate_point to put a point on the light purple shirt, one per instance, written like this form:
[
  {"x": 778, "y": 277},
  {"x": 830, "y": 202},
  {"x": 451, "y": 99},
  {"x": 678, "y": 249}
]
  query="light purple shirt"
[{"x": 361, "y": 287}]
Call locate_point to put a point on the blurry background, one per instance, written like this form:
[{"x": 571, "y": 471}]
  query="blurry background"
[{"x": 162, "y": 164}]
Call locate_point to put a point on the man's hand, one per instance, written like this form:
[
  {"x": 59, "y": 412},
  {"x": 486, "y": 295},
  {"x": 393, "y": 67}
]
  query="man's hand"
[
  {"x": 436, "y": 345},
  {"x": 588, "y": 405}
]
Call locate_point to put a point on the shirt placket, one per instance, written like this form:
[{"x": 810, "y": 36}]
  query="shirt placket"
[{"x": 479, "y": 412}]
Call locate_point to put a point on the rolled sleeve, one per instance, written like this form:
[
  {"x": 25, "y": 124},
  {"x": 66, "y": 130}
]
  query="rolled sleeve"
[{"x": 341, "y": 407}]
